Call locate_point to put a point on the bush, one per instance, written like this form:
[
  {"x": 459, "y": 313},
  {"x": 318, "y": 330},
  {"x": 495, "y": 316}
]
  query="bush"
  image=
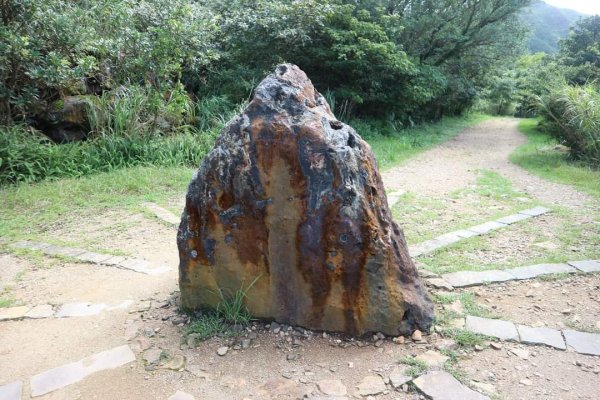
[
  {"x": 572, "y": 114},
  {"x": 27, "y": 156}
]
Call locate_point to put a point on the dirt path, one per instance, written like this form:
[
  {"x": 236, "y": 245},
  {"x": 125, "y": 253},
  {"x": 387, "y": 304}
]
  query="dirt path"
[
  {"x": 282, "y": 364},
  {"x": 453, "y": 165}
]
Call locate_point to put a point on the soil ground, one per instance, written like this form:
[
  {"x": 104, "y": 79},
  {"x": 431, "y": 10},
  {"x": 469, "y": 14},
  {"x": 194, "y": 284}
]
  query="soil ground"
[{"x": 275, "y": 368}]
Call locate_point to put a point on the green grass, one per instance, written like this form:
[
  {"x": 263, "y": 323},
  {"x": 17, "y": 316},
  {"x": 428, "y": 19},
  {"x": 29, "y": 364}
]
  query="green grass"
[
  {"x": 34, "y": 210},
  {"x": 540, "y": 156},
  {"x": 416, "y": 367},
  {"x": 206, "y": 326},
  {"x": 492, "y": 197},
  {"x": 395, "y": 147},
  {"x": 6, "y": 301}
]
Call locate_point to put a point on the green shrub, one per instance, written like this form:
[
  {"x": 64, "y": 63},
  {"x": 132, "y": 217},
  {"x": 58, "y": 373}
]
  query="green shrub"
[
  {"x": 27, "y": 156},
  {"x": 572, "y": 115}
]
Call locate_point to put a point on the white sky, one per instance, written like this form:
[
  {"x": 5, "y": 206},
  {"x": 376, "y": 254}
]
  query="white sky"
[{"x": 583, "y": 6}]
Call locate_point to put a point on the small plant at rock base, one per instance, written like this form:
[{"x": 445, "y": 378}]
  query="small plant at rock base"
[
  {"x": 206, "y": 325},
  {"x": 233, "y": 308}
]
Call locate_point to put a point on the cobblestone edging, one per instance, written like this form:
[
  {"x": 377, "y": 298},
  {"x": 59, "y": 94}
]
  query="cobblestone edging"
[
  {"x": 132, "y": 264},
  {"x": 68, "y": 310},
  {"x": 162, "y": 213},
  {"x": 429, "y": 246},
  {"x": 580, "y": 342},
  {"x": 476, "y": 278}
]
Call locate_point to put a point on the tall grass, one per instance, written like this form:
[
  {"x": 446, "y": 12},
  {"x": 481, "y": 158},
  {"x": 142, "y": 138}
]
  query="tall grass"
[
  {"x": 27, "y": 156},
  {"x": 572, "y": 114}
]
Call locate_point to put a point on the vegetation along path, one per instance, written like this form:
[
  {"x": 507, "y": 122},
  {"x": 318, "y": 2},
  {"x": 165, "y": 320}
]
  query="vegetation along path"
[{"x": 144, "y": 349}]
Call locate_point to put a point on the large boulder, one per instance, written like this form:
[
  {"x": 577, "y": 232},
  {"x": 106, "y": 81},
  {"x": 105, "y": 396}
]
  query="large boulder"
[{"x": 290, "y": 207}]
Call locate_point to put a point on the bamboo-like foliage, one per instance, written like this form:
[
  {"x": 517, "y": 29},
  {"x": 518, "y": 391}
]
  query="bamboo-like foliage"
[{"x": 572, "y": 113}]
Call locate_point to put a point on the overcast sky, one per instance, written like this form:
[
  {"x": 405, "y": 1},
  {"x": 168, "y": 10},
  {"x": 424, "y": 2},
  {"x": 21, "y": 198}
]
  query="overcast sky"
[{"x": 583, "y": 6}]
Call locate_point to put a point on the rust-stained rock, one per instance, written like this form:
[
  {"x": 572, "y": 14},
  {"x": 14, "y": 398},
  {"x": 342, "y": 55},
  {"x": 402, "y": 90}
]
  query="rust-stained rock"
[{"x": 293, "y": 196}]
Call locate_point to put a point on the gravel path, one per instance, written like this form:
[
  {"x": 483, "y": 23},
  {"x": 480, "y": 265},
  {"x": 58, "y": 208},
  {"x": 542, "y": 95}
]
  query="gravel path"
[{"x": 454, "y": 164}]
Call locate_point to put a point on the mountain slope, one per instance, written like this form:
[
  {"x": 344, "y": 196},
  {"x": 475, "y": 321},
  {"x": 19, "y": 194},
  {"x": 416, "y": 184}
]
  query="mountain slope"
[{"x": 549, "y": 24}]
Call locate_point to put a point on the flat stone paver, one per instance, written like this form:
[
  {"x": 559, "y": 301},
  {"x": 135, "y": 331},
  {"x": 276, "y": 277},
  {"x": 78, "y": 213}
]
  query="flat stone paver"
[
  {"x": 96, "y": 258},
  {"x": 40, "y": 311},
  {"x": 511, "y": 219},
  {"x": 179, "y": 395},
  {"x": 542, "y": 335},
  {"x": 440, "y": 385},
  {"x": 68, "y": 374},
  {"x": 472, "y": 278},
  {"x": 504, "y": 330},
  {"x": 586, "y": 265},
  {"x": 486, "y": 227},
  {"x": 162, "y": 213},
  {"x": 371, "y": 385},
  {"x": 10, "y": 313},
  {"x": 133, "y": 264},
  {"x": 449, "y": 238},
  {"x": 398, "y": 377},
  {"x": 583, "y": 342},
  {"x": 465, "y": 233},
  {"x": 533, "y": 271},
  {"x": 332, "y": 387},
  {"x": 11, "y": 391},
  {"x": 536, "y": 211},
  {"x": 80, "y": 310}
]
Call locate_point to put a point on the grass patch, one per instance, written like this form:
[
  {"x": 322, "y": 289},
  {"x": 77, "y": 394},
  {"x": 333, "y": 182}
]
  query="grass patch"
[
  {"x": 416, "y": 367},
  {"x": 492, "y": 197},
  {"x": 465, "y": 338},
  {"x": 393, "y": 146},
  {"x": 541, "y": 157},
  {"x": 7, "y": 301},
  {"x": 554, "y": 277},
  {"x": 35, "y": 210},
  {"x": 207, "y": 325}
]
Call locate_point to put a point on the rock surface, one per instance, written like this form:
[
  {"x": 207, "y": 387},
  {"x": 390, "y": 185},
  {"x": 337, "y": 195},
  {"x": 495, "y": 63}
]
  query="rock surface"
[{"x": 291, "y": 201}]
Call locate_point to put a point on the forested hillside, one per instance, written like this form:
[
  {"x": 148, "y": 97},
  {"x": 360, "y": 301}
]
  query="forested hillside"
[
  {"x": 128, "y": 82},
  {"x": 548, "y": 24}
]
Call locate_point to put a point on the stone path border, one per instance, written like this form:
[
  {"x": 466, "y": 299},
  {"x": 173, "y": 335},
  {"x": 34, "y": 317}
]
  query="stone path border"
[
  {"x": 68, "y": 374},
  {"x": 162, "y": 213},
  {"x": 429, "y": 246},
  {"x": 132, "y": 264},
  {"x": 11, "y": 391},
  {"x": 67, "y": 310},
  {"x": 580, "y": 342},
  {"x": 476, "y": 278},
  {"x": 394, "y": 197}
]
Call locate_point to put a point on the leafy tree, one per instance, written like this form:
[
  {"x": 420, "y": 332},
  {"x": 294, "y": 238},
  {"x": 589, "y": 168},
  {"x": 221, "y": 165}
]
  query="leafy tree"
[{"x": 580, "y": 51}]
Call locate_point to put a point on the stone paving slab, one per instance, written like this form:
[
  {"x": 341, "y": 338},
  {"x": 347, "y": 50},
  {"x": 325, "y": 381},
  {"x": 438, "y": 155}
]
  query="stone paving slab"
[
  {"x": 133, "y": 264},
  {"x": 95, "y": 258},
  {"x": 455, "y": 236},
  {"x": 40, "y": 311},
  {"x": 68, "y": 374},
  {"x": 11, "y": 391},
  {"x": 465, "y": 233},
  {"x": 179, "y": 395},
  {"x": 26, "y": 244},
  {"x": 10, "y": 313},
  {"x": 504, "y": 330},
  {"x": 449, "y": 238},
  {"x": 583, "y": 342},
  {"x": 162, "y": 213},
  {"x": 486, "y": 227},
  {"x": 440, "y": 385},
  {"x": 511, "y": 219},
  {"x": 473, "y": 278},
  {"x": 536, "y": 211},
  {"x": 542, "y": 335},
  {"x": 533, "y": 271},
  {"x": 586, "y": 266}
]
